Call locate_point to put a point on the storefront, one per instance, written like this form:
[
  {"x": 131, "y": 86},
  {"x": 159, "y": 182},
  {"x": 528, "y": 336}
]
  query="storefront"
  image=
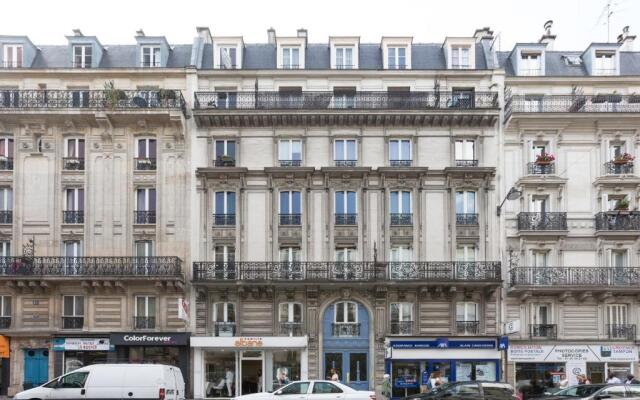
[
  {"x": 71, "y": 353},
  {"x": 4, "y": 364},
  {"x": 537, "y": 366},
  {"x": 233, "y": 366},
  {"x": 171, "y": 348},
  {"x": 413, "y": 363}
]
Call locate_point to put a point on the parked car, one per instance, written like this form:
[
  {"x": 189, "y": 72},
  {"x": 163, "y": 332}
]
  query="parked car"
[
  {"x": 311, "y": 390},
  {"x": 467, "y": 390},
  {"x": 113, "y": 381},
  {"x": 596, "y": 392}
]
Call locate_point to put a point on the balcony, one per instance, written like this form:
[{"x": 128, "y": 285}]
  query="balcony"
[
  {"x": 575, "y": 277},
  {"x": 617, "y": 168},
  {"x": 144, "y": 217},
  {"x": 467, "y": 327},
  {"x": 59, "y": 267},
  {"x": 316, "y": 108},
  {"x": 226, "y": 329},
  {"x": 401, "y": 328},
  {"x": 346, "y": 219},
  {"x": 291, "y": 329},
  {"x": 145, "y": 164},
  {"x": 224, "y": 162},
  {"x": 574, "y": 103},
  {"x": 616, "y": 221},
  {"x": 621, "y": 332},
  {"x": 400, "y": 163},
  {"x": 144, "y": 323},
  {"x": 72, "y": 322},
  {"x": 290, "y": 163},
  {"x": 346, "y": 163},
  {"x": 345, "y": 329},
  {"x": 466, "y": 219},
  {"x": 466, "y": 163},
  {"x": 290, "y": 219},
  {"x": 6, "y": 163},
  {"x": 542, "y": 221},
  {"x": 6, "y": 217},
  {"x": 5, "y": 322},
  {"x": 73, "y": 164},
  {"x": 224, "y": 219},
  {"x": 400, "y": 219},
  {"x": 546, "y": 331},
  {"x": 534, "y": 168},
  {"x": 73, "y": 217}
]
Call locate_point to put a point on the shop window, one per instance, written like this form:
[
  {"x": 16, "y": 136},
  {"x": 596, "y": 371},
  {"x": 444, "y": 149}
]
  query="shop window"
[
  {"x": 404, "y": 379},
  {"x": 286, "y": 368},
  {"x": 78, "y": 359},
  {"x": 475, "y": 371},
  {"x": 543, "y": 373},
  {"x": 219, "y": 367},
  {"x": 154, "y": 355}
]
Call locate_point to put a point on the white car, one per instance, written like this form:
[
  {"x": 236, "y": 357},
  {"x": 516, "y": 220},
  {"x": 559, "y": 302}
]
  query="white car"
[{"x": 313, "y": 390}]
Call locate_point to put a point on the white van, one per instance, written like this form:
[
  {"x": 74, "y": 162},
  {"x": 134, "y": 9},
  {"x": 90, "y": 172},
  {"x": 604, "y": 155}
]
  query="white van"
[{"x": 113, "y": 381}]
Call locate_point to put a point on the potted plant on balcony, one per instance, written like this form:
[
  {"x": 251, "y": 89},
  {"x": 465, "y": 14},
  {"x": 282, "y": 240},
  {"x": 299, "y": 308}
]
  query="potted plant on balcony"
[
  {"x": 622, "y": 159},
  {"x": 622, "y": 205},
  {"x": 166, "y": 95},
  {"x": 112, "y": 95},
  {"x": 545, "y": 159}
]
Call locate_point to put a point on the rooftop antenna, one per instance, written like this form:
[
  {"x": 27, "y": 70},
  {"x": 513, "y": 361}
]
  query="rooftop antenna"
[{"x": 605, "y": 16}]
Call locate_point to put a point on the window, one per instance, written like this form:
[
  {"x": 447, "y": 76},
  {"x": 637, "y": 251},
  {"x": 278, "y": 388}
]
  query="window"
[
  {"x": 72, "y": 312},
  {"x": 539, "y": 258},
  {"x": 224, "y": 318},
  {"x": 74, "y": 206},
  {"x": 615, "y": 200},
  {"x": 344, "y": 97},
  {"x": 530, "y": 64},
  {"x": 74, "y": 148},
  {"x": 5, "y": 306},
  {"x": 290, "y": 153},
  {"x": 401, "y": 254},
  {"x": 82, "y": 56},
  {"x": 617, "y": 314},
  {"x": 346, "y": 312},
  {"x": 346, "y": 208},
  {"x": 400, "y": 153},
  {"x": 5, "y": 249},
  {"x": 145, "y": 206},
  {"x": 466, "y": 208},
  {"x": 225, "y": 208},
  {"x": 605, "y": 63},
  {"x": 143, "y": 248},
  {"x": 225, "y": 98},
  {"x": 289, "y": 254},
  {"x": 291, "y": 312},
  {"x": 400, "y": 207},
  {"x": 146, "y": 148},
  {"x": 533, "y": 103},
  {"x": 465, "y": 151},
  {"x": 397, "y": 57},
  {"x": 618, "y": 258},
  {"x": 150, "y": 56},
  {"x": 462, "y": 98},
  {"x": 616, "y": 150},
  {"x": 540, "y": 204},
  {"x": 466, "y": 253},
  {"x": 290, "y": 208},
  {"x": 346, "y": 254},
  {"x": 228, "y": 58},
  {"x": 401, "y": 318},
  {"x": 12, "y": 56},
  {"x": 72, "y": 248},
  {"x": 344, "y": 58},
  {"x": 224, "y": 254},
  {"x": 225, "y": 153},
  {"x": 467, "y": 318},
  {"x": 295, "y": 388},
  {"x": 325, "y": 387},
  {"x": 290, "y": 57},
  {"x": 145, "y": 312},
  {"x": 6, "y": 154},
  {"x": 541, "y": 314},
  {"x": 6, "y": 199},
  {"x": 460, "y": 57},
  {"x": 345, "y": 152}
]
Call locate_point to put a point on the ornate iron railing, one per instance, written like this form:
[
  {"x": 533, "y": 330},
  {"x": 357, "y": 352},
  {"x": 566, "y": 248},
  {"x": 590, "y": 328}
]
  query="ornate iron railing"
[
  {"x": 363, "y": 271},
  {"x": 615, "y": 168},
  {"x": 290, "y": 219},
  {"x": 6, "y": 163},
  {"x": 402, "y": 328},
  {"x": 549, "y": 331},
  {"x": 346, "y": 219},
  {"x": 346, "y": 163},
  {"x": 5, "y": 322},
  {"x": 224, "y": 219},
  {"x": 6, "y": 216},
  {"x": 144, "y": 217},
  {"x": 574, "y": 103},
  {"x": 542, "y": 221},
  {"x": 90, "y": 266},
  {"x": 73, "y": 164},
  {"x": 466, "y": 219},
  {"x": 400, "y": 163},
  {"x": 291, "y": 329},
  {"x": 345, "y": 329},
  {"x": 224, "y": 162},
  {"x": 468, "y": 327},
  {"x": 72, "y": 322},
  {"x": 73, "y": 217},
  {"x": 618, "y": 221},
  {"x": 224, "y": 328},
  {"x": 621, "y": 331},
  {"x": 401, "y": 219},
  {"x": 466, "y": 163},
  {"x": 574, "y": 276},
  {"x": 290, "y": 163},
  {"x": 312, "y": 100},
  {"x": 145, "y": 164},
  {"x": 534, "y": 168},
  {"x": 144, "y": 323}
]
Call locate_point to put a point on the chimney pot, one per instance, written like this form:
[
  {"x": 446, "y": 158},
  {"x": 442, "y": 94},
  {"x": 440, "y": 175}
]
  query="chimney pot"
[
  {"x": 302, "y": 33},
  {"x": 140, "y": 32},
  {"x": 204, "y": 33},
  {"x": 271, "y": 35},
  {"x": 625, "y": 40},
  {"x": 77, "y": 32},
  {"x": 548, "y": 38}
]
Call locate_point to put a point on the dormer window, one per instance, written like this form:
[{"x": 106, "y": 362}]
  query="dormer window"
[
  {"x": 150, "y": 56},
  {"x": 228, "y": 58},
  {"x": 460, "y": 57},
  {"x": 397, "y": 57},
  {"x": 82, "y": 56},
  {"x": 12, "y": 56},
  {"x": 290, "y": 57},
  {"x": 530, "y": 64},
  {"x": 344, "y": 57},
  {"x": 605, "y": 63}
]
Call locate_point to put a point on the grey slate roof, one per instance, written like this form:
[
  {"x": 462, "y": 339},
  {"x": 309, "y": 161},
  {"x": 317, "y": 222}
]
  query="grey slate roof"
[{"x": 555, "y": 64}]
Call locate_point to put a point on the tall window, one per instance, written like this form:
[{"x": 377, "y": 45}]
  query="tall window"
[
  {"x": 145, "y": 206},
  {"x": 346, "y": 254},
  {"x": 72, "y": 251},
  {"x": 225, "y": 153},
  {"x": 290, "y": 57},
  {"x": 540, "y": 204},
  {"x": 344, "y": 97},
  {"x": 467, "y": 318},
  {"x": 346, "y": 209},
  {"x": 401, "y": 318},
  {"x": 145, "y": 154},
  {"x": 150, "y": 56},
  {"x": 143, "y": 248},
  {"x": 465, "y": 152},
  {"x": 82, "y": 56},
  {"x": 542, "y": 314},
  {"x": 290, "y": 153},
  {"x": 12, "y": 56},
  {"x": 225, "y": 208},
  {"x": 397, "y": 57},
  {"x": 466, "y": 253},
  {"x": 228, "y": 58},
  {"x": 5, "y": 312},
  {"x": 290, "y": 316},
  {"x": 400, "y": 266},
  {"x": 5, "y": 248},
  {"x": 618, "y": 258},
  {"x": 530, "y": 64},
  {"x": 6, "y": 205},
  {"x": 290, "y": 267},
  {"x": 72, "y": 248},
  {"x": 74, "y": 206},
  {"x": 74, "y": 154},
  {"x": 6, "y": 153},
  {"x": 224, "y": 318},
  {"x": 289, "y": 254},
  {"x": 400, "y": 153},
  {"x": 346, "y": 312},
  {"x": 72, "y": 312},
  {"x": 540, "y": 258},
  {"x": 344, "y": 58},
  {"x": 617, "y": 314},
  {"x": 225, "y": 257},
  {"x": 290, "y": 208},
  {"x": 145, "y": 312},
  {"x": 617, "y": 322},
  {"x": 226, "y": 98},
  {"x": 401, "y": 207},
  {"x": 460, "y": 57},
  {"x": 605, "y": 63},
  {"x": 345, "y": 152},
  {"x": 466, "y": 208}
]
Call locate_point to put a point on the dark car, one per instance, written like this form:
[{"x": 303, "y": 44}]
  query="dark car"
[
  {"x": 469, "y": 390},
  {"x": 596, "y": 392}
]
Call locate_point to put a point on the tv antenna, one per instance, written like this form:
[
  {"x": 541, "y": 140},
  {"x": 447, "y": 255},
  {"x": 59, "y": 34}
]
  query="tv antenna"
[{"x": 605, "y": 15}]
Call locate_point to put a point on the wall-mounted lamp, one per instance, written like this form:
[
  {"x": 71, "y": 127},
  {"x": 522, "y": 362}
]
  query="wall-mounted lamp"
[{"x": 513, "y": 194}]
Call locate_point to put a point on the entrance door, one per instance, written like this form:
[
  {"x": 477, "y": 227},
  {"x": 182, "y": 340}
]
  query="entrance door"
[
  {"x": 251, "y": 376},
  {"x": 36, "y": 367},
  {"x": 351, "y": 368}
]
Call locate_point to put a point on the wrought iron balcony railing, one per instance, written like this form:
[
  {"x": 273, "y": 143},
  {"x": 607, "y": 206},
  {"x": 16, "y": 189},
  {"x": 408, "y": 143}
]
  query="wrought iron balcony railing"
[
  {"x": 291, "y": 329},
  {"x": 92, "y": 99},
  {"x": 401, "y": 328},
  {"x": 574, "y": 103},
  {"x": 616, "y": 168},
  {"x": 534, "y": 168},
  {"x": 73, "y": 217},
  {"x": 144, "y": 217},
  {"x": 542, "y": 221},
  {"x": 618, "y": 221},
  {"x": 621, "y": 331},
  {"x": 400, "y": 163},
  {"x": 345, "y": 329},
  {"x": 5, "y": 322},
  {"x": 145, "y": 164},
  {"x": 549, "y": 331},
  {"x": 575, "y": 276},
  {"x": 6, "y": 216},
  {"x": 466, "y": 163},
  {"x": 290, "y": 163},
  {"x": 467, "y": 327},
  {"x": 6, "y": 163},
  {"x": 346, "y": 163},
  {"x": 291, "y": 219},
  {"x": 346, "y": 219},
  {"x": 224, "y": 219},
  {"x": 311, "y": 100},
  {"x": 73, "y": 164},
  {"x": 398, "y": 219},
  {"x": 466, "y": 219},
  {"x": 224, "y": 328},
  {"x": 224, "y": 162},
  {"x": 74, "y": 322},
  {"x": 141, "y": 323},
  {"x": 363, "y": 271},
  {"x": 90, "y": 266}
]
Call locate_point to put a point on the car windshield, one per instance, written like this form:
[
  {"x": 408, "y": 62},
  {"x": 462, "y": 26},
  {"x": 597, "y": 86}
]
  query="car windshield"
[{"x": 579, "y": 391}]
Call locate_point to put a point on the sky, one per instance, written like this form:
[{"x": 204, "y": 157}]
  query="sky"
[{"x": 576, "y": 22}]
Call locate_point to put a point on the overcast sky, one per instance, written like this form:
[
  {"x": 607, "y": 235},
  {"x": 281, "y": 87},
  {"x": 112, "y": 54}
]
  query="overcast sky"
[{"x": 576, "y": 22}]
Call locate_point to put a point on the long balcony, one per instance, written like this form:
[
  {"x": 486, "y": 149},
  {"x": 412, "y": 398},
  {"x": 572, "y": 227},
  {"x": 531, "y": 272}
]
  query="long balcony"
[
  {"x": 546, "y": 331},
  {"x": 542, "y": 221},
  {"x": 621, "y": 331},
  {"x": 363, "y": 271},
  {"x": 575, "y": 277},
  {"x": 317, "y": 108},
  {"x": 618, "y": 221},
  {"x": 576, "y": 103}
]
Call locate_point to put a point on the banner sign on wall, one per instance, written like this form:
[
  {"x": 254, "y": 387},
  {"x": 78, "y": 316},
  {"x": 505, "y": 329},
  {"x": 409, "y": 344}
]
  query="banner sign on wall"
[
  {"x": 566, "y": 353},
  {"x": 81, "y": 344}
]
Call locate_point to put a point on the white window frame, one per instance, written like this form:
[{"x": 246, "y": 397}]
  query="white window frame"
[
  {"x": 147, "y": 146},
  {"x": 540, "y": 258},
  {"x": 291, "y": 312},
  {"x": 611, "y": 200},
  {"x": 4, "y": 146},
  {"x": 401, "y": 253},
  {"x": 226, "y": 251},
  {"x": 345, "y": 200},
  {"x": 290, "y": 251},
  {"x": 396, "y": 57},
  {"x": 342, "y": 51},
  {"x": 288, "y": 58},
  {"x": 466, "y": 311},
  {"x": 541, "y": 203},
  {"x": 621, "y": 146},
  {"x": 400, "y": 154},
  {"x": 83, "y": 55},
  {"x": 345, "y": 312},
  {"x": 5, "y": 248},
  {"x": 350, "y": 254},
  {"x": 227, "y": 48},
  {"x": 225, "y": 206},
  {"x": 290, "y": 210},
  {"x": 76, "y": 199},
  {"x": 461, "y": 148},
  {"x": 603, "y": 68},
  {"x": 153, "y": 62},
  {"x": 624, "y": 253},
  {"x": 618, "y": 313},
  {"x": 536, "y": 315},
  {"x": 225, "y": 147},
  {"x": 345, "y": 149},
  {"x": 6, "y": 197},
  {"x": 76, "y": 248},
  {"x": 469, "y": 253},
  {"x": 225, "y": 312},
  {"x": 530, "y": 63},
  {"x": 146, "y": 306},
  {"x": 402, "y": 307},
  {"x": 148, "y": 248},
  {"x": 290, "y": 155},
  {"x": 147, "y": 203},
  {"x": 76, "y": 144},
  {"x": 76, "y": 300},
  {"x": 457, "y": 51},
  {"x": 3, "y": 301},
  {"x": 400, "y": 202},
  {"x": 15, "y": 62},
  {"x": 466, "y": 207}
]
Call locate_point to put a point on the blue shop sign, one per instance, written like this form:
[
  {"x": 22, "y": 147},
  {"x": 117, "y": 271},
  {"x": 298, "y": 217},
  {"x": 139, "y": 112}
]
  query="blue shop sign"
[
  {"x": 407, "y": 381},
  {"x": 503, "y": 343},
  {"x": 444, "y": 344},
  {"x": 425, "y": 378}
]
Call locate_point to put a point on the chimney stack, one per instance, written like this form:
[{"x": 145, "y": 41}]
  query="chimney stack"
[
  {"x": 483, "y": 34},
  {"x": 626, "y": 40},
  {"x": 302, "y": 33},
  {"x": 548, "y": 38},
  {"x": 271, "y": 36},
  {"x": 140, "y": 32},
  {"x": 205, "y": 34},
  {"x": 77, "y": 32}
]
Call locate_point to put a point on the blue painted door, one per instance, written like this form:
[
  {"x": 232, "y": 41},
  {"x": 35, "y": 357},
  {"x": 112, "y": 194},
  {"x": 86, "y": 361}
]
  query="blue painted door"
[{"x": 36, "y": 367}]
